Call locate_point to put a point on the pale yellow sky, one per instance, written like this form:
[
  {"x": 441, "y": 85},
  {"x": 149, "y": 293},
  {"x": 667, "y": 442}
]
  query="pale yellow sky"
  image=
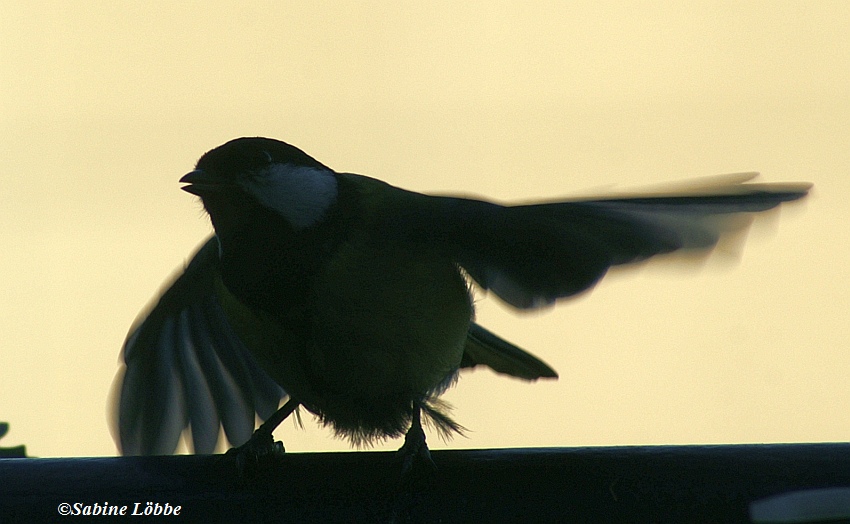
[{"x": 106, "y": 104}]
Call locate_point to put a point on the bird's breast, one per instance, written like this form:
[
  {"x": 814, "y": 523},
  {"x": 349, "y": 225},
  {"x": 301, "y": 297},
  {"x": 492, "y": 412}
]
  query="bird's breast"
[{"x": 387, "y": 319}]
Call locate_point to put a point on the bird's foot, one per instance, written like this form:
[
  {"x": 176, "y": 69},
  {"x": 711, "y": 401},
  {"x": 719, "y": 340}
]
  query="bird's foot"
[
  {"x": 417, "y": 467},
  {"x": 259, "y": 452},
  {"x": 261, "y": 449}
]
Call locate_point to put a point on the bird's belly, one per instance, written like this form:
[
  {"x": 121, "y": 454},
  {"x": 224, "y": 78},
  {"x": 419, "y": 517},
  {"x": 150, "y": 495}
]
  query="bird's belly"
[
  {"x": 387, "y": 322},
  {"x": 386, "y": 328}
]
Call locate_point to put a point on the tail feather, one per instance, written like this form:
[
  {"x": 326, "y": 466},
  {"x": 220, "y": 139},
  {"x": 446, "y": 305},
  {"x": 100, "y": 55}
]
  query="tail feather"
[{"x": 487, "y": 349}]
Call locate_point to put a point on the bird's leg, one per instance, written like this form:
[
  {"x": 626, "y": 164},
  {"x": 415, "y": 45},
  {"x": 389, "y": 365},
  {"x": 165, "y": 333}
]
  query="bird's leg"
[
  {"x": 266, "y": 428},
  {"x": 415, "y": 449},
  {"x": 262, "y": 444}
]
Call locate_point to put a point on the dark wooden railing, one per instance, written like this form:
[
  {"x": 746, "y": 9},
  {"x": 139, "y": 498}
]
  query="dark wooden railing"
[{"x": 738, "y": 483}]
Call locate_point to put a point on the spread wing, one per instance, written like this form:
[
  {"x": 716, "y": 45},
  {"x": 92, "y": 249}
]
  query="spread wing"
[
  {"x": 532, "y": 255},
  {"x": 185, "y": 368}
]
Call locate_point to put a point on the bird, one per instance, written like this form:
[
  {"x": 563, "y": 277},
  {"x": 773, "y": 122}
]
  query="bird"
[{"x": 352, "y": 298}]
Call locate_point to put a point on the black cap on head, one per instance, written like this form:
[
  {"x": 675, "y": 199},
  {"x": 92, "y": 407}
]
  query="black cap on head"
[{"x": 253, "y": 153}]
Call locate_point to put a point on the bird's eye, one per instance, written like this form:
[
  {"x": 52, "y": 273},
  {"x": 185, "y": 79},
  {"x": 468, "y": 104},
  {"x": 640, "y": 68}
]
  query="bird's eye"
[{"x": 258, "y": 159}]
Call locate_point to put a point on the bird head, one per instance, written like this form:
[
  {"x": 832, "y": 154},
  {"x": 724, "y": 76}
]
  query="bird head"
[{"x": 247, "y": 173}]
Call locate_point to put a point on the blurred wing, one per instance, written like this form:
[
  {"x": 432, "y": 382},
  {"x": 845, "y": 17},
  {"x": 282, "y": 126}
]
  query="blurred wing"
[
  {"x": 185, "y": 367},
  {"x": 487, "y": 349},
  {"x": 532, "y": 255}
]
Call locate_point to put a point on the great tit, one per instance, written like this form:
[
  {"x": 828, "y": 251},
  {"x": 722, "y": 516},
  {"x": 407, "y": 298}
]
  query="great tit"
[{"x": 351, "y": 297}]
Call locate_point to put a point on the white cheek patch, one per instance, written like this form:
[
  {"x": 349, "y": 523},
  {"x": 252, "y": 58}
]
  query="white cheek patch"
[{"x": 302, "y": 195}]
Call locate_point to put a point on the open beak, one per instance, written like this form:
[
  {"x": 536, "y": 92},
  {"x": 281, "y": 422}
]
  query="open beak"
[{"x": 201, "y": 182}]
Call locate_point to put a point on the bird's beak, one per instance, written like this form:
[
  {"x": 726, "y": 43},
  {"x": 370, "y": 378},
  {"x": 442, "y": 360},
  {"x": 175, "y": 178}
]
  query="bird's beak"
[{"x": 201, "y": 182}]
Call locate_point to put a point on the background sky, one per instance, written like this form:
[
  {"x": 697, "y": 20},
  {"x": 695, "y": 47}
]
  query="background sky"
[{"x": 104, "y": 105}]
